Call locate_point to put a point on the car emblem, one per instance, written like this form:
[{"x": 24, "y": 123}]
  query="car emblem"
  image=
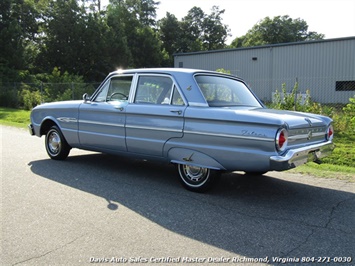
[
  {"x": 308, "y": 121},
  {"x": 309, "y": 136}
]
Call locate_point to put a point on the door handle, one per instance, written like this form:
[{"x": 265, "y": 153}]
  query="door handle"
[
  {"x": 119, "y": 108},
  {"x": 176, "y": 111}
]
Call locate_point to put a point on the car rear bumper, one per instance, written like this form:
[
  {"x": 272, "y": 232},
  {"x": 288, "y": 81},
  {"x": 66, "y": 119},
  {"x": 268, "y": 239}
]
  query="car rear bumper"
[{"x": 296, "y": 157}]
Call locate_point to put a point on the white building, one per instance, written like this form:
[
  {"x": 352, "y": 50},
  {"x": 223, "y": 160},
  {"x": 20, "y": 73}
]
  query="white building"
[{"x": 326, "y": 67}]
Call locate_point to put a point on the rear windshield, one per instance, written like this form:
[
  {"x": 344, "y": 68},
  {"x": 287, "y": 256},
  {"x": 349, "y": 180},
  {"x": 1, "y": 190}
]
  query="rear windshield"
[{"x": 223, "y": 91}]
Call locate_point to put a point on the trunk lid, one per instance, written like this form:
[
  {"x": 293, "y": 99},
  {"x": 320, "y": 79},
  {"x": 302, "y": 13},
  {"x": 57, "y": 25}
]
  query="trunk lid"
[{"x": 303, "y": 128}]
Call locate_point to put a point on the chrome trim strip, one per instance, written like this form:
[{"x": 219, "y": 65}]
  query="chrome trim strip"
[
  {"x": 305, "y": 136},
  {"x": 228, "y": 135},
  {"x": 197, "y": 104},
  {"x": 132, "y": 127},
  {"x": 67, "y": 119},
  {"x": 100, "y": 123},
  {"x": 155, "y": 128}
]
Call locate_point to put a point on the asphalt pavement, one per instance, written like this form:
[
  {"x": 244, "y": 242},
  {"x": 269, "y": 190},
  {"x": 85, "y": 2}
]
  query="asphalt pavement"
[{"x": 99, "y": 209}]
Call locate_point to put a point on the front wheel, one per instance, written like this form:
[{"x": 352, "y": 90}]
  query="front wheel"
[
  {"x": 56, "y": 145},
  {"x": 197, "y": 179}
]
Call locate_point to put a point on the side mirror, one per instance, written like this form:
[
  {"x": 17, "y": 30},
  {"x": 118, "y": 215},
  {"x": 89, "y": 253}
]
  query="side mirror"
[{"x": 86, "y": 97}]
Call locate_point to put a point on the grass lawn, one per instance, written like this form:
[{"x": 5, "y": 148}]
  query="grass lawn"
[
  {"x": 325, "y": 170},
  {"x": 340, "y": 165},
  {"x": 14, "y": 117}
]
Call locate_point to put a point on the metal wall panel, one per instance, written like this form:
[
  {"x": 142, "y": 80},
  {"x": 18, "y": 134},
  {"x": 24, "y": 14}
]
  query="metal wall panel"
[{"x": 316, "y": 65}]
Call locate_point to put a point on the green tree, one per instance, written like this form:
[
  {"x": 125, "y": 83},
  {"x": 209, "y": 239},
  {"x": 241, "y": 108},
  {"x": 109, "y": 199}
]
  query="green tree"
[
  {"x": 280, "y": 29},
  {"x": 82, "y": 39},
  {"x": 200, "y": 31},
  {"x": 117, "y": 47},
  {"x": 96, "y": 57},
  {"x": 170, "y": 34},
  {"x": 64, "y": 25},
  {"x": 92, "y": 5},
  {"x": 192, "y": 29},
  {"x": 18, "y": 29},
  {"x": 215, "y": 32},
  {"x": 143, "y": 10},
  {"x": 147, "y": 51},
  {"x": 142, "y": 40}
]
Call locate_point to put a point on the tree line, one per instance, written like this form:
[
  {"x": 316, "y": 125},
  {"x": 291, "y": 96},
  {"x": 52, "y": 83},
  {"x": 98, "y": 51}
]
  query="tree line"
[{"x": 82, "y": 38}]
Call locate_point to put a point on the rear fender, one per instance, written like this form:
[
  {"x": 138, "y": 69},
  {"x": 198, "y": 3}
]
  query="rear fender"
[{"x": 194, "y": 158}]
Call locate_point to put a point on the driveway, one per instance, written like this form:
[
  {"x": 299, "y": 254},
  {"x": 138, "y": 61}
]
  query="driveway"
[{"x": 96, "y": 208}]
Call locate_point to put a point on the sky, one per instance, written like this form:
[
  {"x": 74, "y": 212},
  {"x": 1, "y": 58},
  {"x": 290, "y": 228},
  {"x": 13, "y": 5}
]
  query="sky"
[{"x": 334, "y": 18}]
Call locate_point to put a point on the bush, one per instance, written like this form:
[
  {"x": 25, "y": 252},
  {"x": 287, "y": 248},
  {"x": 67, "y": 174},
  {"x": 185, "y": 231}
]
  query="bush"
[
  {"x": 349, "y": 115},
  {"x": 344, "y": 122},
  {"x": 30, "y": 99},
  {"x": 292, "y": 101},
  {"x": 8, "y": 97},
  {"x": 344, "y": 118},
  {"x": 29, "y": 92}
]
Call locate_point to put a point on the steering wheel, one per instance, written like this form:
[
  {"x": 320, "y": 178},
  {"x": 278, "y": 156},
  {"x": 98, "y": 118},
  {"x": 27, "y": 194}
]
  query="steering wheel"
[{"x": 118, "y": 93}]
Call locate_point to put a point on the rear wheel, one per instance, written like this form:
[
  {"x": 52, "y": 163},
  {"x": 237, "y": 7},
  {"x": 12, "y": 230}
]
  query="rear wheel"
[
  {"x": 197, "y": 179},
  {"x": 56, "y": 145}
]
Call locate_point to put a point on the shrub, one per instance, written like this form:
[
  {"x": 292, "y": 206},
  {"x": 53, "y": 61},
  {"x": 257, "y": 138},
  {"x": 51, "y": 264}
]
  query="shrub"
[
  {"x": 297, "y": 102},
  {"x": 8, "y": 97},
  {"x": 349, "y": 115},
  {"x": 222, "y": 70},
  {"x": 30, "y": 99},
  {"x": 292, "y": 101}
]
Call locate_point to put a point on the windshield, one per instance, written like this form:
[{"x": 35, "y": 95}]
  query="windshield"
[{"x": 223, "y": 91}]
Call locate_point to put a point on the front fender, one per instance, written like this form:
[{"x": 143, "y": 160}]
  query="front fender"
[
  {"x": 41, "y": 125},
  {"x": 67, "y": 127},
  {"x": 47, "y": 122},
  {"x": 194, "y": 158}
]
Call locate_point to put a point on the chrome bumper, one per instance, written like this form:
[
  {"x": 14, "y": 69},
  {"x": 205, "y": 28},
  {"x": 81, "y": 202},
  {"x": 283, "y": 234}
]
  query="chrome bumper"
[
  {"x": 31, "y": 130},
  {"x": 296, "y": 157}
]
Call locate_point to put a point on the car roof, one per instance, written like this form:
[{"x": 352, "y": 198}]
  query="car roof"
[
  {"x": 184, "y": 79},
  {"x": 162, "y": 70}
]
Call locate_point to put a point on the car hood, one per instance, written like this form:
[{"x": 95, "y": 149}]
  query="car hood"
[{"x": 61, "y": 104}]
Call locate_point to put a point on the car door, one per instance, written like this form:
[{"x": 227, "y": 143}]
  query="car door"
[
  {"x": 155, "y": 115},
  {"x": 102, "y": 120}
]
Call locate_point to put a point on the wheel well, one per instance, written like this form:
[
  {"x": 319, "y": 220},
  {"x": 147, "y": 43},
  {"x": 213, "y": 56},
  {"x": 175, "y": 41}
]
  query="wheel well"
[
  {"x": 193, "y": 158},
  {"x": 46, "y": 125}
]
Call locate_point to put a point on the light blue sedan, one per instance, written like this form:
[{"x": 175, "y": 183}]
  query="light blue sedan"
[{"x": 205, "y": 122}]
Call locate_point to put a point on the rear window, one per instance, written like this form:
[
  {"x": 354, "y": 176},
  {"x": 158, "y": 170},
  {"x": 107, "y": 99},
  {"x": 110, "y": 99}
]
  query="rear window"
[{"x": 223, "y": 92}]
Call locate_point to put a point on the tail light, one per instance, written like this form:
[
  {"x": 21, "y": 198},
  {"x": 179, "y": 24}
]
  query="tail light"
[
  {"x": 281, "y": 139},
  {"x": 330, "y": 133}
]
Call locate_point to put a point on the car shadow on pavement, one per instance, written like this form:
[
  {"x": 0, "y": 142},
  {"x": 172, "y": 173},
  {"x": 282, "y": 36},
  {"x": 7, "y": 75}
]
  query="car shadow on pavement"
[{"x": 253, "y": 216}]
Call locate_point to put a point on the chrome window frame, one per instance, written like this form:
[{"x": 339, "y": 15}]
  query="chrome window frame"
[
  {"x": 174, "y": 84},
  {"x": 108, "y": 80}
]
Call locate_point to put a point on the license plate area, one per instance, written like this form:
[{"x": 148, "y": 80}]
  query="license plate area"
[{"x": 313, "y": 156}]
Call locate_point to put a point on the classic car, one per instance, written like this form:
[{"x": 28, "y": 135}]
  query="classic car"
[{"x": 204, "y": 122}]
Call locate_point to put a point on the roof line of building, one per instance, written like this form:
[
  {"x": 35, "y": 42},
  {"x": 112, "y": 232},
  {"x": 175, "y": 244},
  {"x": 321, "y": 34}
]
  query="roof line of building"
[{"x": 264, "y": 46}]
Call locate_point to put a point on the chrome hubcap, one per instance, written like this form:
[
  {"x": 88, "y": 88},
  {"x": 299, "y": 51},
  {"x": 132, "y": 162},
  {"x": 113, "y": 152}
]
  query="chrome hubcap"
[
  {"x": 195, "y": 173},
  {"x": 54, "y": 142}
]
